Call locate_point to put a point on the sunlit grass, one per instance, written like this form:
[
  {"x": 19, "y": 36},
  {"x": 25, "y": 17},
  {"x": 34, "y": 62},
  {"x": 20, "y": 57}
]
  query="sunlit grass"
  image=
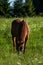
[{"x": 34, "y": 49}]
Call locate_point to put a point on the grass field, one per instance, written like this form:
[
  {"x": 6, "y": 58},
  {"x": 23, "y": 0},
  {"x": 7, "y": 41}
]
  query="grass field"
[{"x": 34, "y": 49}]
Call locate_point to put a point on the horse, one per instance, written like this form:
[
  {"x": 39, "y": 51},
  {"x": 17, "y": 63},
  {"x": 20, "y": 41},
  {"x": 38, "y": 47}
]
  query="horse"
[{"x": 20, "y": 32}]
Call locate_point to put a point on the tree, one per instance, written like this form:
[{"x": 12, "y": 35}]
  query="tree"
[
  {"x": 29, "y": 7},
  {"x": 38, "y": 6},
  {"x": 17, "y": 7},
  {"x": 4, "y": 7}
]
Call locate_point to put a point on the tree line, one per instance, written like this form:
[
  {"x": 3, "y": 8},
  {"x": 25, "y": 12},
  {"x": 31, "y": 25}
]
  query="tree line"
[{"x": 21, "y": 9}]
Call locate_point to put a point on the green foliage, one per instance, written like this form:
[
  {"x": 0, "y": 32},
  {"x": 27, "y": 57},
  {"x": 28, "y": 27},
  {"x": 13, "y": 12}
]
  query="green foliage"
[
  {"x": 34, "y": 49},
  {"x": 18, "y": 7},
  {"x": 30, "y": 8},
  {"x": 23, "y": 9},
  {"x": 4, "y": 7}
]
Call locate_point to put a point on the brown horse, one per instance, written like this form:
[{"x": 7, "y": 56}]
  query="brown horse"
[{"x": 20, "y": 32}]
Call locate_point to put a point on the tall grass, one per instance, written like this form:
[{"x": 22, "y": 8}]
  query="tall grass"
[{"x": 34, "y": 49}]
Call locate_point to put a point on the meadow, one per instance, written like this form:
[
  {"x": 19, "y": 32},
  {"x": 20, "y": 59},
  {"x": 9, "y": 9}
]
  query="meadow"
[{"x": 34, "y": 49}]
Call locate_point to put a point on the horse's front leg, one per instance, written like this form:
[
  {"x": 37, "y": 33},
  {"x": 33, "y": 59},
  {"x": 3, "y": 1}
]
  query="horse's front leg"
[
  {"x": 23, "y": 47},
  {"x": 14, "y": 43}
]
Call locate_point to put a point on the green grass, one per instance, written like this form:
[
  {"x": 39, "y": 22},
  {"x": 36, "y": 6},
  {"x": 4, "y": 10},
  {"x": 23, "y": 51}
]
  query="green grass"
[{"x": 34, "y": 49}]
